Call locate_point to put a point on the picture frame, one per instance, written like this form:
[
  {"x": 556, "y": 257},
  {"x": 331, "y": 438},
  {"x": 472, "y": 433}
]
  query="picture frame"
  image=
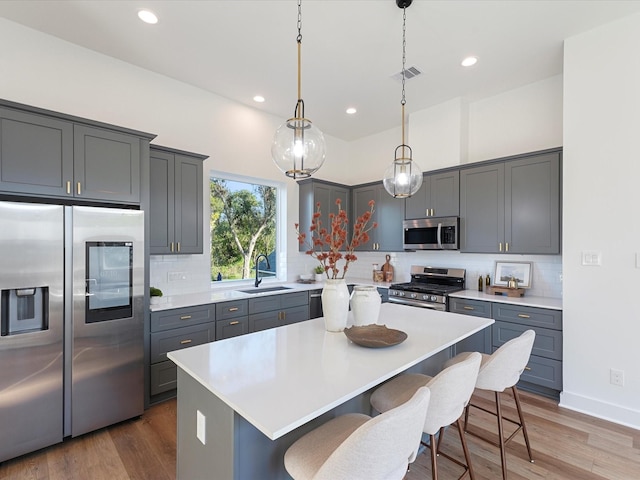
[{"x": 503, "y": 271}]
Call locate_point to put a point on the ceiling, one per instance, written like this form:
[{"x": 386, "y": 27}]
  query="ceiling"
[{"x": 350, "y": 48}]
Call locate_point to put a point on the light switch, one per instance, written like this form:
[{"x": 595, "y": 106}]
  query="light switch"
[{"x": 591, "y": 259}]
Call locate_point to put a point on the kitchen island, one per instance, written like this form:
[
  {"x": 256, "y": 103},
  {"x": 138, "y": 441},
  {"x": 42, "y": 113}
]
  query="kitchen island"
[{"x": 248, "y": 398}]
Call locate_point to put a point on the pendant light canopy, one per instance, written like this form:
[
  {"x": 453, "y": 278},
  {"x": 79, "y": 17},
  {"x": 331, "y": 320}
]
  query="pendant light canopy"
[
  {"x": 403, "y": 177},
  {"x": 298, "y": 147}
]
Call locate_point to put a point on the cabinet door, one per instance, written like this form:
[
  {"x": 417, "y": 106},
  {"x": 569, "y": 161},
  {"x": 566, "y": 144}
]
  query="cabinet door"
[
  {"x": 480, "y": 341},
  {"x": 445, "y": 194},
  {"x": 417, "y": 204},
  {"x": 106, "y": 165},
  {"x": 36, "y": 154},
  {"x": 361, "y": 198},
  {"x": 482, "y": 208},
  {"x": 532, "y": 204},
  {"x": 389, "y": 215},
  {"x": 295, "y": 315},
  {"x": 162, "y": 203},
  {"x": 264, "y": 321},
  {"x": 188, "y": 205}
]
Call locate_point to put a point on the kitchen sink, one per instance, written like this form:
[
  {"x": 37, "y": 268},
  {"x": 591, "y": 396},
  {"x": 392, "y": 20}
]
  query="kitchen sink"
[{"x": 254, "y": 291}]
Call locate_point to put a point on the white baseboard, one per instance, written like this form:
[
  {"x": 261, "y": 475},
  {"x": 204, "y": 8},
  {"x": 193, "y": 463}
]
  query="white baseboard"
[{"x": 599, "y": 409}]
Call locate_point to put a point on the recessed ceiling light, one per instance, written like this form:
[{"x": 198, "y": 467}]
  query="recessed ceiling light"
[
  {"x": 351, "y": 110},
  {"x": 147, "y": 16},
  {"x": 258, "y": 98},
  {"x": 469, "y": 61}
]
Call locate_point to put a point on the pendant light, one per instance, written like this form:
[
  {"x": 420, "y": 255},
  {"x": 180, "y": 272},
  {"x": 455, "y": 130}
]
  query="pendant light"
[
  {"x": 403, "y": 177},
  {"x": 298, "y": 147}
]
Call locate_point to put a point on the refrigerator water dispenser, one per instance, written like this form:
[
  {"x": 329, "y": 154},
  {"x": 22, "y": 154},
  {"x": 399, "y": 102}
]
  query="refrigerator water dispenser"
[{"x": 24, "y": 310}]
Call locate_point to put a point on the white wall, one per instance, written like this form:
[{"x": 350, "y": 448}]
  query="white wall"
[{"x": 601, "y": 195}]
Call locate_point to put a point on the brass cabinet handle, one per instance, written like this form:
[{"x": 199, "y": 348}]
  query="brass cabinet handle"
[
  {"x": 185, "y": 317},
  {"x": 184, "y": 342},
  {"x": 68, "y": 187},
  {"x": 506, "y": 247},
  {"x": 79, "y": 189},
  {"x": 500, "y": 246},
  {"x": 178, "y": 246},
  {"x": 235, "y": 322},
  {"x": 432, "y": 212},
  {"x": 527, "y": 368},
  {"x": 523, "y": 315},
  {"x": 233, "y": 309},
  {"x": 469, "y": 308},
  {"x": 171, "y": 246}
]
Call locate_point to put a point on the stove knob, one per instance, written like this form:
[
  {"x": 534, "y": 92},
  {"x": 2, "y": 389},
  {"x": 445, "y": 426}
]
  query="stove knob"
[
  {"x": 433, "y": 298},
  {"x": 413, "y": 295}
]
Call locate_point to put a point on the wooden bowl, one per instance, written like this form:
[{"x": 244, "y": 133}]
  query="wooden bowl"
[{"x": 375, "y": 336}]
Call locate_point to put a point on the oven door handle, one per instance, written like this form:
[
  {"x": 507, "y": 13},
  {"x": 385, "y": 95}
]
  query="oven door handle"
[
  {"x": 440, "y": 235},
  {"x": 417, "y": 303}
]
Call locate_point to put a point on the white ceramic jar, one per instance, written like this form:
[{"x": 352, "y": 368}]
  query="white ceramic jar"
[{"x": 365, "y": 305}]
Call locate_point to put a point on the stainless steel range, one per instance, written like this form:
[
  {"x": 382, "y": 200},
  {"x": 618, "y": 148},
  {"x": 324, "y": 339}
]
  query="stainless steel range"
[{"x": 429, "y": 287}]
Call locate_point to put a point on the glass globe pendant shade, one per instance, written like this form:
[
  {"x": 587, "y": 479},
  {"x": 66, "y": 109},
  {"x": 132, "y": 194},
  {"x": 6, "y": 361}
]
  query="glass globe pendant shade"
[
  {"x": 403, "y": 177},
  {"x": 298, "y": 148}
]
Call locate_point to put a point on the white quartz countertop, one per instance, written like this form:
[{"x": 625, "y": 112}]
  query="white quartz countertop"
[
  {"x": 279, "y": 379},
  {"x": 541, "y": 302},
  {"x": 224, "y": 294}
]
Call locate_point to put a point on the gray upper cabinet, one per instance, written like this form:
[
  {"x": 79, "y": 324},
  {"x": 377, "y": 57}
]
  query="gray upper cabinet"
[
  {"x": 389, "y": 214},
  {"x": 176, "y": 201},
  {"x": 47, "y": 154},
  {"x": 512, "y": 206},
  {"x": 439, "y": 196},
  {"x": 314, "y": 191}
]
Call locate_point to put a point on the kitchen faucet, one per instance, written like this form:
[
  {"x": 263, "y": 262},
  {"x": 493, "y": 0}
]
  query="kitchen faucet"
[{"x": 262, "y": 255}]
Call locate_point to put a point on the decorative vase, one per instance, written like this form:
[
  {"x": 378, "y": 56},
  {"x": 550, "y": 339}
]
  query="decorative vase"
[
  {"x": 155, "y": 300},
  {"x": 335, "y": 304},
  {"x": 320, "y": 277},
  {"x": 365, "y": 305}
]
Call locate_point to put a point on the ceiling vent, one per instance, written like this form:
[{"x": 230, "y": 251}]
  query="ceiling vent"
[{"x": 409, "y": 73}]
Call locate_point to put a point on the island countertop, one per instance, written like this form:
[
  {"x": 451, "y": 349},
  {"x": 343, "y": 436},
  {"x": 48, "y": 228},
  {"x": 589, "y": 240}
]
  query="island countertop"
[{"x": 279, "y": 379}]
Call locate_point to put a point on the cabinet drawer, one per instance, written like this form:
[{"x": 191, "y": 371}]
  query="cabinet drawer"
[
  {"x": 182, "y": 317},
  {"x": 547, "y": 344},
  {"x": 535, "y": 317},
  {"x": 163, "y": 377},
  {"x": 164, "y": 342},
  {"x": 264, "y": 304},
  {"x": 294, "y": 299},
  {"x": 265, "y": 320},
  {"x": 225, "y": 310},
  {"x": 232, "y": 328},
  {"x": 544, "y": 372},
  {"x": 475, "y": 308}
]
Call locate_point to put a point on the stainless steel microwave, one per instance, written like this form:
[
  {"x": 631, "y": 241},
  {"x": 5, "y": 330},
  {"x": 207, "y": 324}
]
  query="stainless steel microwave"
[{"x": 431, "y": 233}]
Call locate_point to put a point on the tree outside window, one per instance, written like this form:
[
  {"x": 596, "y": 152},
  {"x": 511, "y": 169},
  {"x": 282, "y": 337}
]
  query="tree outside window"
[{"x": 243, "y": 225}]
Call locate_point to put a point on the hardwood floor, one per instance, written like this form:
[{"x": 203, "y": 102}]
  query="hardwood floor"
[{"x": 566, "y": 446}]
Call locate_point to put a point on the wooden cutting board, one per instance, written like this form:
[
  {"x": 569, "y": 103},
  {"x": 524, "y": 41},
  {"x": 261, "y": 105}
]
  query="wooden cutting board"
[{"x": 387, "y": 270}]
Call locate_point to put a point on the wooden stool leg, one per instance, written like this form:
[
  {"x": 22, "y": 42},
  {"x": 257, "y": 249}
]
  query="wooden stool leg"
[
  {"x": 503, "y": 456},
  {"x": 466, "y": 415},
  {"x": 516, "y": 397},
  {"x": 463, "y": 441},
  {"x": 434, "y": 454}
]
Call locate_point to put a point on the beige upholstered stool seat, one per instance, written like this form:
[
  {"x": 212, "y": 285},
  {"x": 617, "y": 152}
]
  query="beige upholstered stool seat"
[
  {"x": 355, "y": 446},
  {"x": 498, "y": 372},
  {"x": 450, "y": 393}
]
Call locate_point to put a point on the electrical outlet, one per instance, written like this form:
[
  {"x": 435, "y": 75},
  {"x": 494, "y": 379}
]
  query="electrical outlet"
[
  {"x": 592, "y": 259},
  {"x": 201, "y": 422},
  {"x": 616, "y": 377}
]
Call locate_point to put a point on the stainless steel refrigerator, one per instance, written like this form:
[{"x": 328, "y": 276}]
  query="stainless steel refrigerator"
[{"x": 71, "y": 318}]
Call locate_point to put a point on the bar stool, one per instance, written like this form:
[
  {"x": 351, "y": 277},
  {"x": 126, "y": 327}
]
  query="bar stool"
[
  {"x": 356, "y": 446},
  {"x": 451, "y": 390},
  {"x": 499, "y": 371}
]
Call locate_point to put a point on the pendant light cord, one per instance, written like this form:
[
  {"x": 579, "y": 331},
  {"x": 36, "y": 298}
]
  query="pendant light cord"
[
  {"x": 299, "y": 113},
  {"x": 404, "y": 56}
]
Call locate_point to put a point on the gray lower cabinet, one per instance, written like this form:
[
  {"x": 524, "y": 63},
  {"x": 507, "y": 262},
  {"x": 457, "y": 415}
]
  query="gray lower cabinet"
[
  {"x": 512, "y": 206},
  {"x": 173, "y": 330},
  {"x": 478, "y": 342},
  {"x": 277, "y": 310},
  {"x": 312, "y": 192},
  {"x": 543, "y": 373},
  {"x": 176, "y": 209},
  {"x": 439, "y": 196},
  {"x": 389, "y": 215},
  {"x": 47, "y": 154},
  {"x": 232, "y": 319}
]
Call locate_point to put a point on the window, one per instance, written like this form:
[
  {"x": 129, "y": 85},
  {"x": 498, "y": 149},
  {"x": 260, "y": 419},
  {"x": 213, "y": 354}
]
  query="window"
[{"x": 245, "y": 218}]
